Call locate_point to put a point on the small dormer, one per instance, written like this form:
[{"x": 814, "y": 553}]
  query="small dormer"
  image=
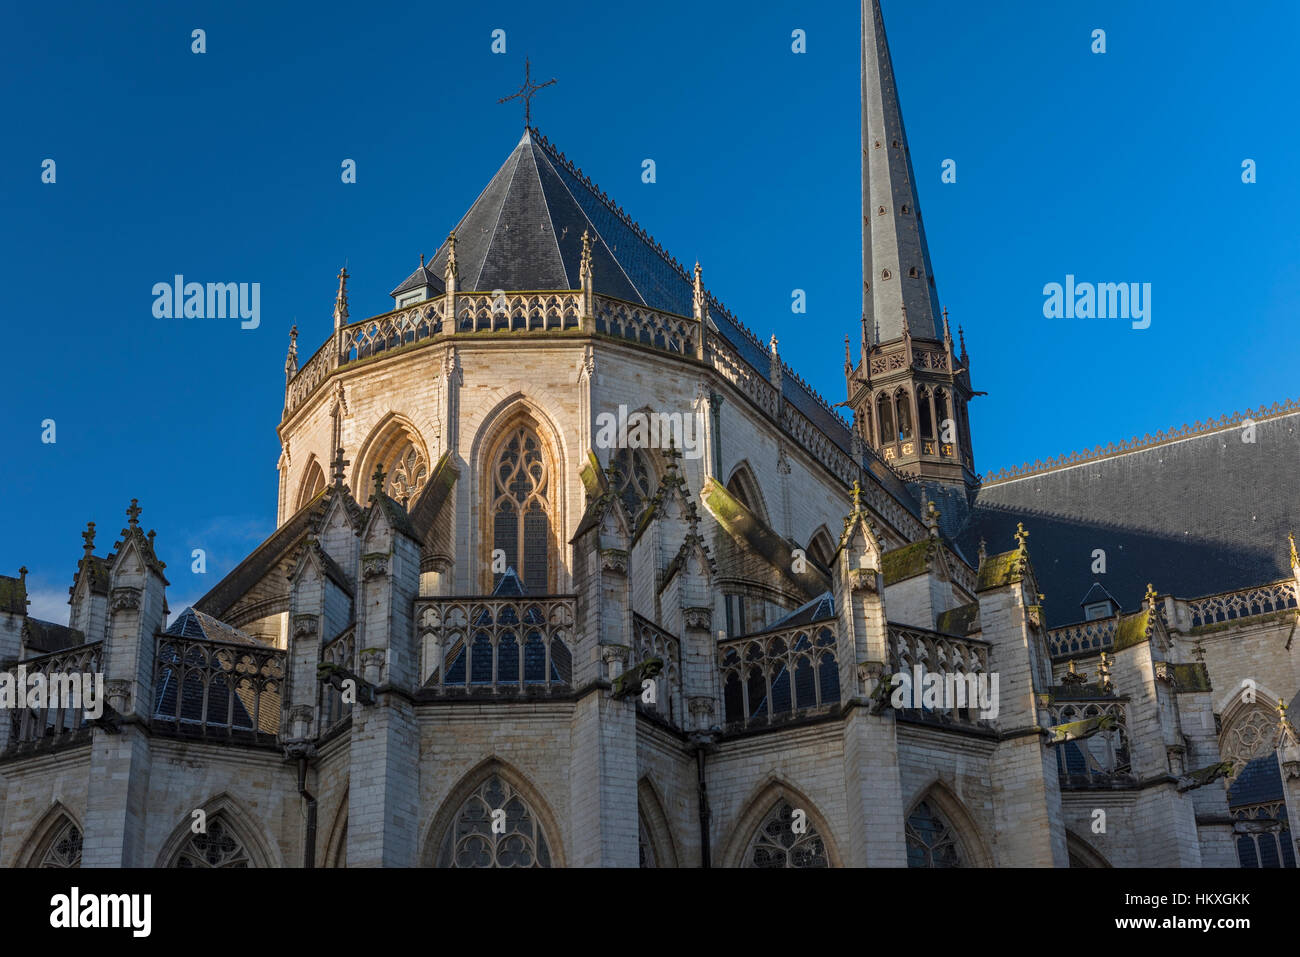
[
  {"x": 1099, "y": 603},
  {"x": 419, "y": 286}
]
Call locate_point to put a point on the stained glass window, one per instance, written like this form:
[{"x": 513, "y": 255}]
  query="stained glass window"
[
  {"x": 930, "y": 841},
  {"x": 784, "y": 841},
  {"x": 64, "y": 849},
  {"x": 495, "y": 827},
  {"x": 218, "y": 846},
  {"x": 521, "y": 509}
]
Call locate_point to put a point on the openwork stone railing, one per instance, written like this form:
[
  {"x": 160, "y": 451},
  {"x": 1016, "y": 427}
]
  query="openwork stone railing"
[
  {"x": 647, "y": 326},
  {"x": 651, "y": 641},
  {"x": 561, "y": 310},
  {"x": 939, "y": 654},
  {"x": 1081, "y": 638},
  {"x": 1244, "y": 603},
  {"x": 497, "y": 645},
  {"x": 779, "y": 675},
  {"x": 53, "y": 724},
  {"x": 218, "y": 689},
  {"x": 1100, "y": 760},
  {"x": 342, "y": 651},
  {"x": 483, "y": 311}
]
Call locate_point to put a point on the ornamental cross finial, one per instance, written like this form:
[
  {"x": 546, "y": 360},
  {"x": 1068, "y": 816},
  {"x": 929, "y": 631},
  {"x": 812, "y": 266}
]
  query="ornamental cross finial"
[
  {"x": 133, "y": 513},
  {"x": 1022, "y": 536},
  {"x": 932, "y": 517},
  {"x": 379, "y": 480},
  {"x": 1294, "y": 560},
  {"x": 526, "y": 93},
  {"x": 1150, "y": 596},
  {"x": 857, "y": 496},
  {"x": 88, "y": 536},
  {"x": 338, "y": 465}
]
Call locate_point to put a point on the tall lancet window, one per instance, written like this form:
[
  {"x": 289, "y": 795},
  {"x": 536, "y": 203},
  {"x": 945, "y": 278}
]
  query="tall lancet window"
[
  {"x": 903, "y": 406},
  {"x": 521, "y": 509},
  {"x": 886, "y": 419}
]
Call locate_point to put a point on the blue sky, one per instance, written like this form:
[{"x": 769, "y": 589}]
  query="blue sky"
[{"x": 1124, "y": 166}]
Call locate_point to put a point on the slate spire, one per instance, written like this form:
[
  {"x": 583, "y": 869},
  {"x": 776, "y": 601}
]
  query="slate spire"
[{"x": 898, "y": 290}]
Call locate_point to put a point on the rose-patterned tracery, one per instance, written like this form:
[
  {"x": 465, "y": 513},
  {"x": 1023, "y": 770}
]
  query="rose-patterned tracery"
[
  {"x": 218, "y": 846},
  {"x": 783, "y": 842},
  {"x": 516, "y": 840},
  {"x": 64, "y": 848},
  {"x": 521, "y": 509}
]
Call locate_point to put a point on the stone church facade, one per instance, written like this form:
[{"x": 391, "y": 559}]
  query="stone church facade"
[{"x": 492, "y": 630}]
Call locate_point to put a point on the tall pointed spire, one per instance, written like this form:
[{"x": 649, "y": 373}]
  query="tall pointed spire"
[{"x": 896, "y": 269}]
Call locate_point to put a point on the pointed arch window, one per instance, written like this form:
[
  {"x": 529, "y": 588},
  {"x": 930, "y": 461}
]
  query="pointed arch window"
[
  {"x": 64, "y": 847},
  {"x": 885, "y": 416},
  {"x": 778, "y": 844},
  {"x": 1252, "y": 734},
  {"x": 925, "y": 413},
  {"x": 645, "y": 846},
  {"x": 942, "y": 415},
  {"x": 218, "y": 846},
  {"x": 931, "y": 841},
  {"x": 521, "y": 508},
  {"x": 313, "y": 483},
  {"x": 518, "y": 840},
  {"x": 903, "y": 410},
  {"x": 636, "y": 480}
]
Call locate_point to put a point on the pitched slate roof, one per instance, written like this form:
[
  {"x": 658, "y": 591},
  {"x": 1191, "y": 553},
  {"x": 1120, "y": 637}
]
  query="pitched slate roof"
[
  {"x": 44, "y": 637},
  {"x": 423, "y": 276},
  {"x": 1259, "y": 782},
  {"x": 195, "y": 624},
  {"x": 524, "y": 232},
  {"x": 820, "y": 608},
  {"x": 1201, "y": 513}
]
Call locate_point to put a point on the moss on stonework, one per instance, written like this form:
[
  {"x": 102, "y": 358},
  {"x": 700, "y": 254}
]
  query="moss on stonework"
[
  {"x": 999, "y": 570},
  {"x": 1193, "y": 676},
  {"x": 13, "y": 595},
  {"x": 907, "y": 562},
  {"x": 958, "y": 621},
  {"x": 1132, "y": 630}
]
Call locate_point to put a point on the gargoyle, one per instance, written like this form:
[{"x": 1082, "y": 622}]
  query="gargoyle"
[{"x": 631, "y": 680}]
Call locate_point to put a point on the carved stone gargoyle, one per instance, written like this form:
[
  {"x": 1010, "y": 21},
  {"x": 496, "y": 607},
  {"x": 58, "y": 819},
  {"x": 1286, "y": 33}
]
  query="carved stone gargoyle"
[
  {"x": 880, "y": 696},
  {"x": 337, "y": 674},
  {"x": 1203, "y": 776},
  {"x": 1078, "y": 730},
  {"x": 631, "y": 680}
]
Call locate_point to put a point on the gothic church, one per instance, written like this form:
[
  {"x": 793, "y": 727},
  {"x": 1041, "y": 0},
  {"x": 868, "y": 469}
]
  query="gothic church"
[{"x": 479, "y": 638}]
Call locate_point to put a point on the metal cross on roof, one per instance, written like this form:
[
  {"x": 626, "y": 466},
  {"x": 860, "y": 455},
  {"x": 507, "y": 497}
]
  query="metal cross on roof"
[{"x": 526, "y": 92}]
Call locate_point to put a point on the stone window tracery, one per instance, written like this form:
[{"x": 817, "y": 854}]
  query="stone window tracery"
[
  {"x": 1253, "y": 734},
  {"x": 521, "y": 508},
  {"x": 931, "y": 841},
  {"x": 636, "y": 480},
  {"x": 219, "y": 846},
  {"x": 407, "y": 474},
  {"x": 777, "y": 844},
  {"x": 64, "y": 848},
  {"x": 518, "y": 840}
]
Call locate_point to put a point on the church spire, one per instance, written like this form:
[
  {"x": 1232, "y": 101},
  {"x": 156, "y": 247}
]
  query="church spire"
[{"x": 898, "y": 292}]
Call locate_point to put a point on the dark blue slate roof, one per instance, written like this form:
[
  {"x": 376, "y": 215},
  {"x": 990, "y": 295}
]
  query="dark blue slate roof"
[
  {"x": 1205, "y": 514},
  {"x": 1260, "y": 782},
  {"x": 524, "y": 232}
]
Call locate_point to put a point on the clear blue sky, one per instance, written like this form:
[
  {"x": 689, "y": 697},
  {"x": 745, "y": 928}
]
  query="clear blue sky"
[{"x": 225, "y": 167}]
